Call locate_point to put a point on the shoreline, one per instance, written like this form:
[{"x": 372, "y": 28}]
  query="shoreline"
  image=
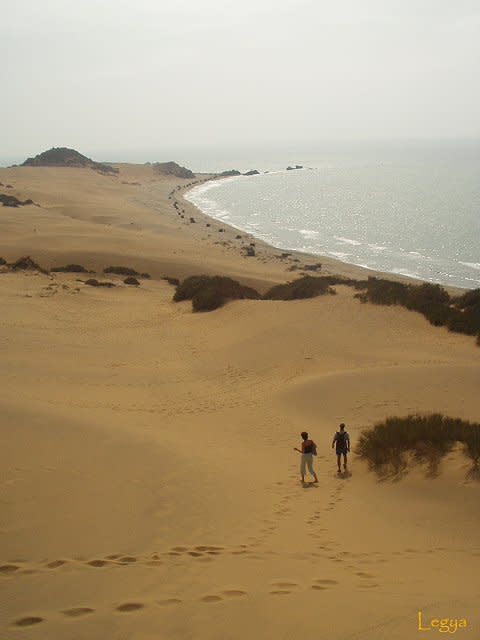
[{"x": 330, "y": 266}]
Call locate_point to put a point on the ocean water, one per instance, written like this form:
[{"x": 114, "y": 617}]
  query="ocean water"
[{"x": 411, "y": 210}]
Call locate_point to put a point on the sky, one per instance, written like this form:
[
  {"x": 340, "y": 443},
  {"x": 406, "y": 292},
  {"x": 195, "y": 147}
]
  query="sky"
[{"x": 108, "y": 75}]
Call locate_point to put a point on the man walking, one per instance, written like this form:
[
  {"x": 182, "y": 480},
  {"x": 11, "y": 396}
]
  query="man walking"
[{"x": 341, "y": 442}]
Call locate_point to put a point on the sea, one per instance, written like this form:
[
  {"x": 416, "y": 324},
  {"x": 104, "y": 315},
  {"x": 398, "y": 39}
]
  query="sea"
[{"x": 410, "y": 208}]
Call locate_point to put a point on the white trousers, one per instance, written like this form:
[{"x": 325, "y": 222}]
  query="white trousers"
[{"x": 307, "y": 461}]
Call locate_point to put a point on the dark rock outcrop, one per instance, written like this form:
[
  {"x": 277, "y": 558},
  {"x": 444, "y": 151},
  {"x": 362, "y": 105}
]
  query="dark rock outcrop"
[
  {"x": 253, "y": 172},
  {"x": 229, "y": 173},
  {"x": 172, "y": 169},
  {"x": 64, "y": 157}
]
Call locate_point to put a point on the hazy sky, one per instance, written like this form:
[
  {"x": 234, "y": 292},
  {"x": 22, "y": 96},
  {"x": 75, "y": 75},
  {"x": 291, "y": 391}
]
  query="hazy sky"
[{"x": 144, "y": 74}]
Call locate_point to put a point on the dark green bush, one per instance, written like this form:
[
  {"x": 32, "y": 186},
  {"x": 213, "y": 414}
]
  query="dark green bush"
[
  {"x": 210, "y": 292},
  {"x": 381, "y": 291},
  {"x": 121, "y": 271},
  {"x": 131, "y": 281},
  {"x": 421, "y": 297},
  {"x": 469, "y": 300},
  {"x": 390, "y": 446},
  {"x": 465, "y": 321},
  {"x": 208, "y": 300},
  {"x": 92, "y": 282},
  {"x": 70, "y": 268},
  {"x": 306, "y": 287}
]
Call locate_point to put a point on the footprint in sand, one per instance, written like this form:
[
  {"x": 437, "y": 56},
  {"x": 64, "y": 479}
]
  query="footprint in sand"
[
  {"x": 127, "y": 607},
  {"x": 56, "y": 563},
  {"x": 325, "y": 582},
  {"x": 168, "y": 602},
  {"x": 362, "y": 574},
  {"x": 211, "y": 599},
  {"x": 98, "y": 563},
  {"x": 127, "y": 559},
  {"x": 234, "y": 593},
  {"x": 280, "y": 592},
  {"x": 7, "y": 569},
  {"x": 28, "y": 621},
  {"x": 285, "y": 585},
  {"x": 77, "y": 612}
]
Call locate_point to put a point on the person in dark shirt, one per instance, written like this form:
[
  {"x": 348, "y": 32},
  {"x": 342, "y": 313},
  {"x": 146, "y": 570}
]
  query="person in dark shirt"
[
  {"x": 341, "y": 442},
  {"x": 308, "y": 450}
]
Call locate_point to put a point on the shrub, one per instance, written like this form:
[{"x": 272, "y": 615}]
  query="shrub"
[
  {"x": 306, "y": 287},
  {"x": 207, "y": 300},
  {"x": 2, "y": 262},
  {"x": 173, "y": 281},
  {"x": 210, "y": 292},
  {"x": 92, "y": 282},
  {"x": 421, "y": 297},
  {"x": 381, "y": 291},
  {"x": 121, "y": 271},
  {"x": 390, "y": 446},
  {"x": 465, "y": 321},
  {"x": 132, "y": 281},
  {"x": 26, "y": 264},
  {"x": 70, "y": 268},
  {"x": 469, "y": 300}
]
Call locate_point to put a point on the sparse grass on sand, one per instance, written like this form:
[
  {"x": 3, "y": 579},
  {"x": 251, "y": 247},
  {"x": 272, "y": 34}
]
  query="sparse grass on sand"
[
  {"x": 211, "y": 292},
  {"x": 390, "y": 447}
]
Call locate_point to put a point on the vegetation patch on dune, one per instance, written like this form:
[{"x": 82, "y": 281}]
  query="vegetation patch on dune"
[
  {"x": 12, "y": 201},
  {"x": 121, "y": 271},
  {"x": 396, "y": 444},
  {"x": 93, "y": 282},
  {"x": 211, "y": 292},
  {"x": 70, "y": 268},
  {"x": 459, "y": 314},
  {"x": 26, "y": 264},
  {"x": 306, "y": 287}
]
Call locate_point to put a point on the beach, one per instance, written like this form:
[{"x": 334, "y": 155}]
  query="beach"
[{"x": 149, "y": 485}]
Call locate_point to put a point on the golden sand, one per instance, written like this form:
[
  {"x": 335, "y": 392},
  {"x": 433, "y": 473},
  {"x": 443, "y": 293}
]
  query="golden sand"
[{"x": 149, "y": 488}]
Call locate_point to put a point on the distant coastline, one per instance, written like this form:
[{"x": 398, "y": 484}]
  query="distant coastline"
[{"x": 367, "y": 255}]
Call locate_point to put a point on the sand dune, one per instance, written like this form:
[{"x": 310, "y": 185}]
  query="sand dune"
[{"x": 149, "y": 488}]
